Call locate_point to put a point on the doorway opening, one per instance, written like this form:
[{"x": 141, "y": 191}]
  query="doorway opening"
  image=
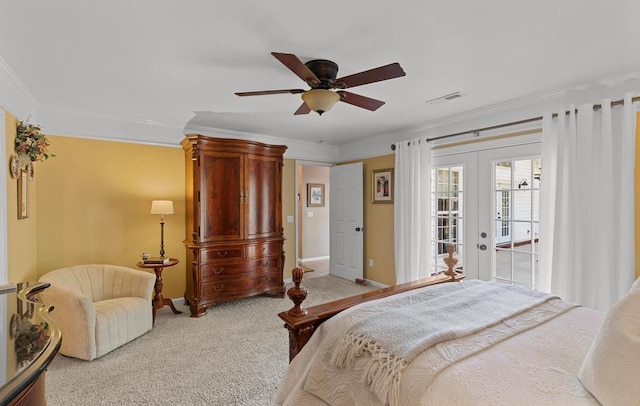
[{"x": 312, "y": 218}]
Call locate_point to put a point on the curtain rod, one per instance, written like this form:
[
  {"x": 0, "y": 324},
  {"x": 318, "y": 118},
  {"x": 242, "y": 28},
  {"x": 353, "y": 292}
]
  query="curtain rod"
[{"x": 596, "y": 107}]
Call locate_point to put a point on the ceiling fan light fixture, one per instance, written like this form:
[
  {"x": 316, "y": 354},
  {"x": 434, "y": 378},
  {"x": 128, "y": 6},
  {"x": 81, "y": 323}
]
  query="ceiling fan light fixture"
[{"x": 320, "y": 100}]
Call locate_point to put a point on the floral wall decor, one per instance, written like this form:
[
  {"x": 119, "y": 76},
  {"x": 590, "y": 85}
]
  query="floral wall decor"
[{"x": 30, "y": 145}]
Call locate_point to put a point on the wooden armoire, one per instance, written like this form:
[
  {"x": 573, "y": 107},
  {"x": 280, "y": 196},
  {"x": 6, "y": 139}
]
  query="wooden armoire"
[{"x": 233, "y": 220}]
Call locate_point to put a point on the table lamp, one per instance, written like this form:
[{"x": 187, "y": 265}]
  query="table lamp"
[{"x": 162, "y": 207}]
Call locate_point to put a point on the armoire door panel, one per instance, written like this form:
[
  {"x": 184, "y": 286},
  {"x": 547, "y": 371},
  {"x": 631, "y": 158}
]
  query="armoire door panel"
[
  {"x": 221, "y": 197},
  {"x": 262, "y": 195}
]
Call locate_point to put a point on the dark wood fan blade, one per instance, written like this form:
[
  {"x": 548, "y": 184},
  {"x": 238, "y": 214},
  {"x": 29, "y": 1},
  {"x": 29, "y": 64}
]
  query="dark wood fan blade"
[
  {"x": 360, "y": 101},
  {"x": 303, "y": 109},
  {"x": 386, "y": 72},
  {"x": 263, "y": 92},
  {"x": 296, "y": 66}
]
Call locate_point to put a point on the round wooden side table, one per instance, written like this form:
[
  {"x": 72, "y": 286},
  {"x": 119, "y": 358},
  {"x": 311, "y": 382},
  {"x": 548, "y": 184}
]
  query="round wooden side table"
[{"x": 158, "y": 301}]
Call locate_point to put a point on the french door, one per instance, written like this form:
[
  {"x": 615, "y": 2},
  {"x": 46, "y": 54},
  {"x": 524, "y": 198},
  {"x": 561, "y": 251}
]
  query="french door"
[{"x": 486, "y": 203}]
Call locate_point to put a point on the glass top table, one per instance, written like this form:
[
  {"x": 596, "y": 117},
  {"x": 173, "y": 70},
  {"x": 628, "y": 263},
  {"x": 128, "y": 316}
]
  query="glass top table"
[{"x": 29, "y": 339}]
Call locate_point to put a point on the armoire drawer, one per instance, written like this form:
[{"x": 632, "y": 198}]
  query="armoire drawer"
[
  {"x": 217, "y": 254},
  {"x": 224, "y": 269},
  {"x": 221, "y": 269},
  {"x": 231, "y": 288},
  {"x": 262, "y": 250}
]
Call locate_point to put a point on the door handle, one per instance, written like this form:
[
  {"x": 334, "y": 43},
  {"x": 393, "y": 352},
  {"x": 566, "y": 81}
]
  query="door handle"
[
  {"x": 359, "y": 228},
  {"x": 481, "y": 247}
]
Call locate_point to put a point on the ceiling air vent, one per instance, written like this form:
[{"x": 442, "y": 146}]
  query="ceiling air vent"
[{"x": 444, "y": 98}]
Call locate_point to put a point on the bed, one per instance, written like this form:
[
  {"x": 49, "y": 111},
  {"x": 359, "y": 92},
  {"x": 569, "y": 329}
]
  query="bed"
[{"x": 386, "y": 347}]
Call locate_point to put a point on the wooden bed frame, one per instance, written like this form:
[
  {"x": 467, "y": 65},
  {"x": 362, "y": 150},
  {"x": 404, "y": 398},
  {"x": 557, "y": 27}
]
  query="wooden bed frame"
[{"x": 302, "y": 322}]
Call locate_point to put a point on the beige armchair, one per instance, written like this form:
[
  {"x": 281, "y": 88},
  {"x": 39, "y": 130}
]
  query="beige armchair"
[{"x": 99, "y": 307}]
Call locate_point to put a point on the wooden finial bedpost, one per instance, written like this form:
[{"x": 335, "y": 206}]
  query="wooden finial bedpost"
[
  {"x": 297, "y": 294},
  {"x": 450, "y": 261}
]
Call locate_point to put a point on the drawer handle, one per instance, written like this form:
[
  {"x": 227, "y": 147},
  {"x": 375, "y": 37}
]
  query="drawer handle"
[
  {"x": 266, "y": 278},
  {"x": 217, "y": 271},
  {"x": 265, "y": 263},
  {"x": 222, "y": 254},
  {"x": 264, "y": 249},
  {"x": 218, "y": 288}
]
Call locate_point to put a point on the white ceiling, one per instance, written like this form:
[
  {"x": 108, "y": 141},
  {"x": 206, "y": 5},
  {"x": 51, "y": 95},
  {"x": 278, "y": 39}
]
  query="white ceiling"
[{"x": 180, "y": 62}]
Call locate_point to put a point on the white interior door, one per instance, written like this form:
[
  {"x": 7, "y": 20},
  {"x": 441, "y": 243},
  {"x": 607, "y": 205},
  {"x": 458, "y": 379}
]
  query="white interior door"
[{"x": 346, "y": 228}]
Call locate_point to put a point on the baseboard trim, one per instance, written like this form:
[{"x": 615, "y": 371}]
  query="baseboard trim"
[
  {"x": 368, "y": 281},
  {"x": 313, "y": 259},
  {"x": 178, "y": 301},
  {"x": 376, "y": 284}
]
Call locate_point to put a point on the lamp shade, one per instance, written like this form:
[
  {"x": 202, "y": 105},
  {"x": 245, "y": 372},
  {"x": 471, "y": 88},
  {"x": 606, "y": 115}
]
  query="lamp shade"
[
  {"x": 162, "y": 207},
  {"x": 320, "y": 100}
]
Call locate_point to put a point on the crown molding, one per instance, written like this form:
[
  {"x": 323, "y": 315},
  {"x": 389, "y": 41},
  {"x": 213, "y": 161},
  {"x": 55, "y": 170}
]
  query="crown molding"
[
  {"x": 509, "y": 105},
  {"x": 610, "y": 82},
  {"x": 82, "y": 124},
  {"x": 380, "y": 145},
  {"x": 15, "y": 97},
  {"x": 303, "y": 150},
  {"x": 507, "y": 111}
]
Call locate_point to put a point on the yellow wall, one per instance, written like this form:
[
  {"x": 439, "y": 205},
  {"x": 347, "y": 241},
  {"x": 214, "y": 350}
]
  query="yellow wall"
[
  {"x": 378, "y": 226},
  {"x": 21, "y": 234},
  {"x": 94, "y": 201},
  {"x": 95, "y": 198}
]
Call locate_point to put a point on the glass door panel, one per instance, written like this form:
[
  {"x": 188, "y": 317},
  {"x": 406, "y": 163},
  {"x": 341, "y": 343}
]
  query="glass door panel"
[
  {"x": 449, "y": 216},
  {"x": 452, "y": 220},
  {"x": 512, "y": 176}
]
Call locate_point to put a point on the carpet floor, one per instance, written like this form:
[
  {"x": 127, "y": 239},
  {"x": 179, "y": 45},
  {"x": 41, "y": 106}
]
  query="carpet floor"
[{"x": 236, "y": 354}]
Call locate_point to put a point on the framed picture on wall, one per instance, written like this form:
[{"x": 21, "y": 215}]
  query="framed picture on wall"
[
  {"x": 382, "y": 185},
  {"x": 315, "y": 195}
]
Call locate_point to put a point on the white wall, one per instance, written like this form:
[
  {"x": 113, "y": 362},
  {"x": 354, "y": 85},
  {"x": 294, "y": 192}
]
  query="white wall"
[
  {"x": 3, "y": 198},
  {"x": 315, "y": 230}
]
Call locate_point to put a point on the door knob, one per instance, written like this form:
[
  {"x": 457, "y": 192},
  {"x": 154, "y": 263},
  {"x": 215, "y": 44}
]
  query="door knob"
[
  {"x": 359, "y": 228},
  {"x": 482, "y": 247}
]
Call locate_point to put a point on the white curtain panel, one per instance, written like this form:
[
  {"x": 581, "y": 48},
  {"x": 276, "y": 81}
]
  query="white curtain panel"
[
  {"x": 412, "y": 210},
  {"x": 587, "y": 203}
]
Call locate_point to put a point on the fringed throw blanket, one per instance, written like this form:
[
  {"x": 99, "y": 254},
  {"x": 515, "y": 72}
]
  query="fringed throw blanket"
[{"x": 396, "y": 337}]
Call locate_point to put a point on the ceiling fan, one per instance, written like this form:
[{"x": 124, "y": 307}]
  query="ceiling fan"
[{"x": 320, "y": 75}]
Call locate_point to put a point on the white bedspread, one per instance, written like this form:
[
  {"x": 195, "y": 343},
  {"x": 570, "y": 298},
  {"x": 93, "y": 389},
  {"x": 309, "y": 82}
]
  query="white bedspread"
[
  {"x": 537, "y": 366},
  {"x": 441, "y": 320}
]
